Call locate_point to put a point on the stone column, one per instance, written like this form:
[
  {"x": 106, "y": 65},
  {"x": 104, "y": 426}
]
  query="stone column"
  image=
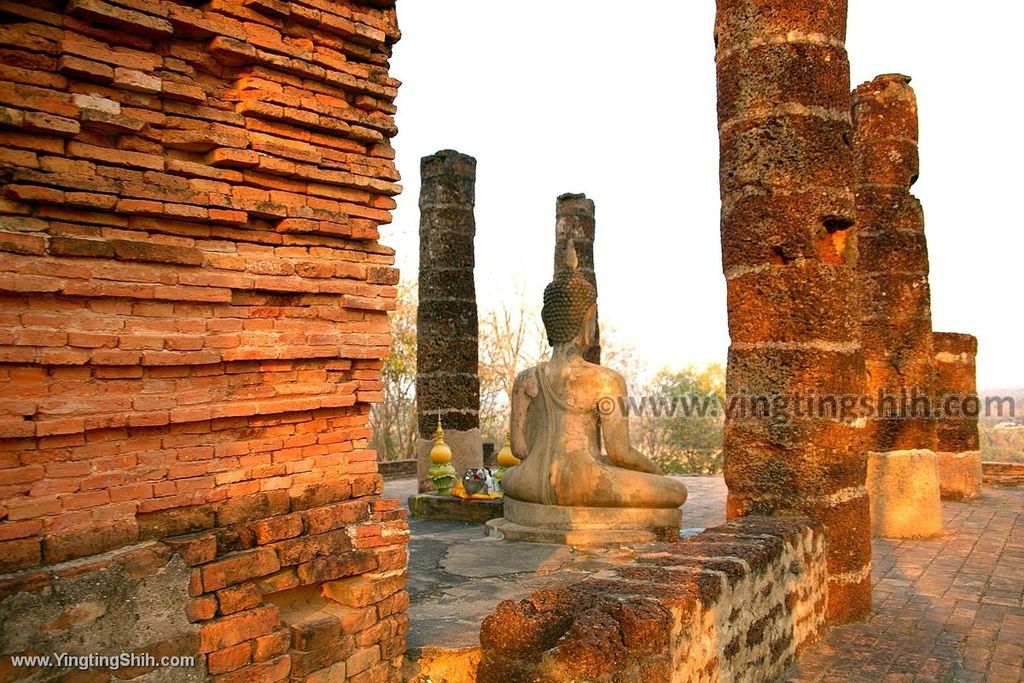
[
  {"x": 903, "y": 478},
  {"x": 787, "y": 209},
  {"x": 956, "y": 390},
  {"x": 447, "y": 384},
  {"x": 574, "y": 220}
]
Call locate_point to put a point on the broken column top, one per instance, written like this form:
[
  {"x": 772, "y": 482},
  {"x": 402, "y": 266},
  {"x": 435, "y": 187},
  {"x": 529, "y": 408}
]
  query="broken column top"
[
  {"x": 570, "y": 204},
  {"x": 885, "y": 107},
  {"x": 447, "y": 162},
  {"x": 955, "y": 343}
]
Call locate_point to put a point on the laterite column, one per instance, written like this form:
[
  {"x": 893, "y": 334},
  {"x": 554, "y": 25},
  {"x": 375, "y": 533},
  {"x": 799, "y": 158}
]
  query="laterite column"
[
  {"x": 956, "y": 388},
  {"x": 787, "y": 209},
  {"x": 447, "y": 384},
  {"x": 575, "y": 220},
  {"x": 903, "y": 477}
]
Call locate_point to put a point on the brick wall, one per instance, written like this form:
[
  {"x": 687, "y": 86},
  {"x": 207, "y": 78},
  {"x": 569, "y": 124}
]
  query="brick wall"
[
  {"x": 193, "y": 312},
  {"x": 734, "y": 603}
]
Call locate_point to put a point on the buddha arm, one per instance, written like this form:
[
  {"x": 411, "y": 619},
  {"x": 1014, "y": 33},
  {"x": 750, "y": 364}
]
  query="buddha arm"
[
  {"x": 523, "y": 391},
  {"x": 615, "y": 432}
]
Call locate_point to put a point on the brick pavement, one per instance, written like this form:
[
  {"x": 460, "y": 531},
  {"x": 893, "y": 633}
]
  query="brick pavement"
[{"x": 946, "y": 609}]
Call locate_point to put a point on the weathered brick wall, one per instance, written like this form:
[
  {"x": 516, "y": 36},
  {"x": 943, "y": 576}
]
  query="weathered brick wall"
[
  {"x": 734, "y": 603},
  {"x": 194, "y": 311},
  {"x": 1003, "y": 473}
]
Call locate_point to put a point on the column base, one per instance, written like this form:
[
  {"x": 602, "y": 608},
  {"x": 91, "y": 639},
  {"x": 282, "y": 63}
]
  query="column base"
[
  {"x": 903, "y": 487},
  {"x": 960, "y": 475}
]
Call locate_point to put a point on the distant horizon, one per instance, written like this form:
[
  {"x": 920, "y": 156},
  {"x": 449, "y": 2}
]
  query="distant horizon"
[{"x": 552, "y": 119}]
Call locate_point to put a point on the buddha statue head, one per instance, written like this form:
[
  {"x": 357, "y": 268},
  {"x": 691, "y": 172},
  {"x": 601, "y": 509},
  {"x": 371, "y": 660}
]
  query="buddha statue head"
[{"x": 570, "y": 306}]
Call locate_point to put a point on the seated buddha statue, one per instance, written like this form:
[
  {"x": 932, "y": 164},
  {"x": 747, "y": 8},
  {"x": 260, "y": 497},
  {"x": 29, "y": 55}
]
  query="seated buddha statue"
[{"x": 564, "y": 410}]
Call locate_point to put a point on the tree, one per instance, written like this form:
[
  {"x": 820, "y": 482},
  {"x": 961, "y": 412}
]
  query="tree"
[
  {"x": 393, "y": 420},
  {"x": 511, "y": 340}
]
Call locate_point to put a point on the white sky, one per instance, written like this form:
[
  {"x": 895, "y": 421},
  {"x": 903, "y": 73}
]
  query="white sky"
[{"x": 556, "y": 96}]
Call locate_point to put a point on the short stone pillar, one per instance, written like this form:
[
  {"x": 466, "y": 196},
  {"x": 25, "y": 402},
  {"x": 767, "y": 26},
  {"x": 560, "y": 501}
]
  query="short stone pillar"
[
  {"x": 575, "y": 220},
  {"x": 892, "y": 271},
  {"x": 956, "y": 389},
  {"x": 904, "y": 490},
  {"x": 447, "y": 384},
  {"x": 787, "y": 181}
]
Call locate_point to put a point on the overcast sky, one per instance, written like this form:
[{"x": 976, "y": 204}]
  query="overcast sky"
[{"x": 618, "y": 101}]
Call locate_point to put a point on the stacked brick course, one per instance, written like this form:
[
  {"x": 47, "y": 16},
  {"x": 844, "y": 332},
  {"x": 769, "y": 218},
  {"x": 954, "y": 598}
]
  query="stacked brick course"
[
  {"x": 734, "y": 603},
  {"x": 787, "y": 177},
  {"x": 193, "y": 313}
]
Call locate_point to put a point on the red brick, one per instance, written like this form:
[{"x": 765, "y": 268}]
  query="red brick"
[
  {"x": 237, "y": 598},
  {"x": 19, "y": 554},
  {"x": 265, "y": 672},
  {"x": 237, "y": 568},
  {"x": 229, "y": 659},
  {"x": 270, "y": 646},
  {"x": 227, "y": 631},
  {"x": 278, "y": 528},
  {"x": 202, "y": 608}
]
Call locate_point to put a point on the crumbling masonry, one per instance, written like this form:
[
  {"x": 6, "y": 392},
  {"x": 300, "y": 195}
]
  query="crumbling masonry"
[
  {"x": 787, "y": 208},
  {"x": 902, "y": 480},
  {"x": 194, "y": 312},
  {"x": 447, "y": 355}
]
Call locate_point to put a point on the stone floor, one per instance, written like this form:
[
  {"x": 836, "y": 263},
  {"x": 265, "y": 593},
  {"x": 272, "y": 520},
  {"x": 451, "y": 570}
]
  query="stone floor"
[{"x": 946, "y": 609}]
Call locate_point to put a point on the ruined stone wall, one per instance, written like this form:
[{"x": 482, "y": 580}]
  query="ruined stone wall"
[
  {"x": 447, "y": 352},
  {"x": 787, "y": 209},
  {"x": 734, "y": 603},
  {"x": 194, "y": 311}
]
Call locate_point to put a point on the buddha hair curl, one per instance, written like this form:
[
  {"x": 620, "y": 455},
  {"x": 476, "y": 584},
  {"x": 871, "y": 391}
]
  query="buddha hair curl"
[{"x": 566, "y": 301}]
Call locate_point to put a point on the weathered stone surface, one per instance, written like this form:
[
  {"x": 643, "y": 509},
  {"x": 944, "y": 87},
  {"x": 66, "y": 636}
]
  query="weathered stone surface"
[
  {"x": 433, "y": 506},
  {"x": 904, "y": 490},
  {"x": 670, "y": 614},
  {"x": 787, "y": 177},
  {"x": 960, "y": 475},
  {"x": 960, "y": 469},
  {"x": 447, "y": 386}
]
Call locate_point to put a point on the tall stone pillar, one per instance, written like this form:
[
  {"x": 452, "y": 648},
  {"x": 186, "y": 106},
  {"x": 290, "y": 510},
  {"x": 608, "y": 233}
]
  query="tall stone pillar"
[
  {"x": 447, "y": 384},
  {"x": 956, "y": 390},
  {"x": 574, "y": 220},
  {"x": 903, "y": 478},
  {"x": 787, "y": 210}
]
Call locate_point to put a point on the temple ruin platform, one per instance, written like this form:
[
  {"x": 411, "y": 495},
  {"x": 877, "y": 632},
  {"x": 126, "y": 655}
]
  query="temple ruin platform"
[
  {"x": 458, "y": 575},
  {"x": 945, "y": 608}
]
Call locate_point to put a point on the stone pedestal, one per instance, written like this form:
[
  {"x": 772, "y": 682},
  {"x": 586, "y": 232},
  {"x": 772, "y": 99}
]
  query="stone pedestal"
[
  {"x": 904, "y": 487},
  {"x": 960, "y": 475},
  {"x": 585, "y": 526},
  {"x": 434, "y": 506}
]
